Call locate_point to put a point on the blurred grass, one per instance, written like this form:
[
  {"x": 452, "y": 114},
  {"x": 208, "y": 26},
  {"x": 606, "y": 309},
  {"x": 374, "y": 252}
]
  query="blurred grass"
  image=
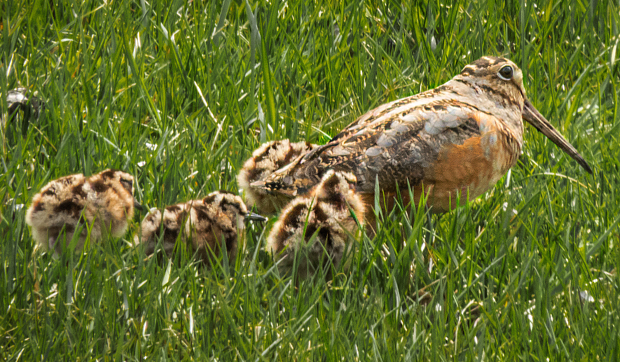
[{"x": 180, "y": 93}]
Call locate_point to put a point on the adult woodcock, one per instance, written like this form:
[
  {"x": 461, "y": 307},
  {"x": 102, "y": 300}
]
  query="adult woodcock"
[{"x": 460, "y": 137}]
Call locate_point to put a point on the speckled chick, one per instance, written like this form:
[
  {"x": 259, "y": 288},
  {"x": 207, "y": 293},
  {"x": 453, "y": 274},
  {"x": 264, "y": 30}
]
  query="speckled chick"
[
  {"x": 104, "y": 200},
  {"x": 327, "y": 211},
  {"x": 265, "y": 160},
  {"x": 204, "y": 225}
]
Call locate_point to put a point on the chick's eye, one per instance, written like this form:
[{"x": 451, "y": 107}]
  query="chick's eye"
[
  {"x": 127, "y": 184},
  {"x": 506, "y": 72}
]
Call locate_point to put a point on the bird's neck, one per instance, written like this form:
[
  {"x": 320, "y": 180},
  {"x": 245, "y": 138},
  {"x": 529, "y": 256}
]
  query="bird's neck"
[{"x": 502, "y": 102}]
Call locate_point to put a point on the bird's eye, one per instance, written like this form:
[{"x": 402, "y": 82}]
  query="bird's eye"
[
  {"x": 506, "y": 72},
  {"x": 127, "y": 184}
]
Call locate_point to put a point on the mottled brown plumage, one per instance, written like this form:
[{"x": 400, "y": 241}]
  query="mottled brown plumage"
[
  {"x": 264, "y": 161},
  {"x": 206, "y": 226},
  {"x": 460, "y": 137},
  {"x": 104, "y": 200},
  {"x": 317, "y": 227}
]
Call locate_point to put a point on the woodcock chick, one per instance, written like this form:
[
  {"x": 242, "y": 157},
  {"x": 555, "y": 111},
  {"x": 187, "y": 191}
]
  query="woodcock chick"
[
  {"x": 266, "y": 159},
  {"x": 331, "y": 210},
  {"x": 205, "y": 225},
  {"x": 460, "y": 137},
  {"x": 104, "y": 200}
]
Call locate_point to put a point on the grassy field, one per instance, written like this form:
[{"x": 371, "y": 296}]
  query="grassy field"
[{"x": 179, "y": 94}]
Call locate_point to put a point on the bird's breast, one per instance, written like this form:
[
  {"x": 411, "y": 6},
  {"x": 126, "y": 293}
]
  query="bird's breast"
[{"x": 474, "y": 166}]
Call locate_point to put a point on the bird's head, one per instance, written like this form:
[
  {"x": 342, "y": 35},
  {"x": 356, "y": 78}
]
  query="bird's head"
[{"x": 500, "y": 80}]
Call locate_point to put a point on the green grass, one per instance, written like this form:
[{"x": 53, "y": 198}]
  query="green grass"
[{"x": 527, "y": 272}]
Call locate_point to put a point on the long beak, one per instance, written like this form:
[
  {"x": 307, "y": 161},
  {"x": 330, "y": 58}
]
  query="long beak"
[
  {"x": 533, "y": 117},
  {"x": 137, "y": 205},
  {"x": 255, "y": 217}
]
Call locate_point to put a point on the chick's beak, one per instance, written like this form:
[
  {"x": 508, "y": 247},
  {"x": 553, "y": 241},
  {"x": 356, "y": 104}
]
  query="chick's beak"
[
  {"x": 255, "y": 217},
  {"x": 533, "y": 117},
  {"x": 137, "y": 205}
]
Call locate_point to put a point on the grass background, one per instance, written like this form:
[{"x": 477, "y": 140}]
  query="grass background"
[{"x": 179, "y": 93}]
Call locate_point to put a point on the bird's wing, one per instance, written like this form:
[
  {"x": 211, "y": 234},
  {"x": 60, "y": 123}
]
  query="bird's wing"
[{"x": 396, "y": 142}]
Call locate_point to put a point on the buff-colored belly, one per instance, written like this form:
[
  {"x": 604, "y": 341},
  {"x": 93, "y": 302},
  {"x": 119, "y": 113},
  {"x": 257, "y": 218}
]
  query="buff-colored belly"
[
  {"x": 469, "y": 170},
  {"x": 461, "y": 172}
]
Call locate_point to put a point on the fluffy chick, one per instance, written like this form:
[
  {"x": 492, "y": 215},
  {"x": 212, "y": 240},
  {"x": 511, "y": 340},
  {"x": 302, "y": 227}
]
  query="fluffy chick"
[
  {"x": 206, "y": 225},
  {"x": 266, "y": 159},
  {"x": 327, "y": 211},
  {"x": 104, "y": 200}
]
